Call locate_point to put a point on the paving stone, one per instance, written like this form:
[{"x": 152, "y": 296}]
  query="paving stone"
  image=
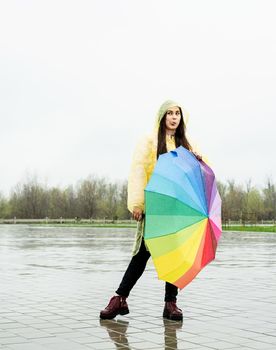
[
  {"x": 51, "y": 294},
  {"x": 12, "y": 340},
  {"x": 27, "y": 346}
]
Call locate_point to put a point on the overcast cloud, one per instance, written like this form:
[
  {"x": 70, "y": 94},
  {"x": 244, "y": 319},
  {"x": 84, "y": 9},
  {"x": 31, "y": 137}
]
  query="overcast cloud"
[{"x": 81, "y": 81}]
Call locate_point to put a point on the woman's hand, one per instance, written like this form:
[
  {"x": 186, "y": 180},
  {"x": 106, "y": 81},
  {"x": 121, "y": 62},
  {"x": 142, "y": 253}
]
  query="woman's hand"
[
  {"x": 198, "y": 156},
  {"x": 137, "y": 214}
]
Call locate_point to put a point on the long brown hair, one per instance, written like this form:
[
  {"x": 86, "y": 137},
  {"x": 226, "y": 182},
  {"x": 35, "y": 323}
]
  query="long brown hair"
[{"x": 180, "y": 135}]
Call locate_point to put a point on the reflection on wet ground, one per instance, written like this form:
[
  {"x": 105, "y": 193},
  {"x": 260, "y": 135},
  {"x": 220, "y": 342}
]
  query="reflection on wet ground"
[
  {"x": 55, "y": 280},
  {"x": 117, "y": 332}
]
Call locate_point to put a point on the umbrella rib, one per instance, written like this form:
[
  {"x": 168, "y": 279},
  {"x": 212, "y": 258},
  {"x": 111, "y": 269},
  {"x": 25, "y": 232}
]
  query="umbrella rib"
[
  {"x": 193, "y": 245},
  {"x": 204, "y": 207},
  {"x": 174, "y": 232},
  {"x": 167, "y": 195},
  {"x": 199, "y": 204}
]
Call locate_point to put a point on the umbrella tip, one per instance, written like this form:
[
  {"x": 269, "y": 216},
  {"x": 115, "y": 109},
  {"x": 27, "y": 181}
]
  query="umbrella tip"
[{"x": 174, "y": 153}]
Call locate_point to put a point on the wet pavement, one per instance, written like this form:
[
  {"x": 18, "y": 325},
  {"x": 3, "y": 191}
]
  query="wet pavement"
[{"x": 54, "y": 282}]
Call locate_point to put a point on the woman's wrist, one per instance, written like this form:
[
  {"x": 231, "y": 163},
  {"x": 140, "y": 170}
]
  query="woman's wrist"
[{"x": 137, "y": 213}]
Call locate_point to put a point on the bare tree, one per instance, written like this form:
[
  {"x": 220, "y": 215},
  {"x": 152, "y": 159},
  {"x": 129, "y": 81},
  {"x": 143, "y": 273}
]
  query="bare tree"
[
  {"x": 233, "y": 201},
  {"x": 111, "y": 200},
  {"x": 122, "y": 211},
  {"x": 29, "y": 200},
  {"x": 4, "y": 207},
  {"x": 269, "y": 193},
  {"x": 90, "y": 193}
]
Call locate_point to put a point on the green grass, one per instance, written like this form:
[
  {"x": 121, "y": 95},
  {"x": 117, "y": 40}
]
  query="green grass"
[{"x": 250, "y": 228}]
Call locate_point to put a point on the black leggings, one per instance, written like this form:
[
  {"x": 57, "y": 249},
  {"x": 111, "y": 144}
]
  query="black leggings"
[{"x": 135, "y": 270}]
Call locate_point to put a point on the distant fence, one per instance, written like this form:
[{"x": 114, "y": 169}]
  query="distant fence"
[
  {"x": 74, "y": 221},
  {"x": 229, "y": 222}
]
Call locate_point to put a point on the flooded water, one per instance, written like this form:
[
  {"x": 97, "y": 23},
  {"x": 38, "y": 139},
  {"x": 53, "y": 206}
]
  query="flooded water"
[
  {"x": 86, "y": 249},
  {"x": 81, "y": 248}
]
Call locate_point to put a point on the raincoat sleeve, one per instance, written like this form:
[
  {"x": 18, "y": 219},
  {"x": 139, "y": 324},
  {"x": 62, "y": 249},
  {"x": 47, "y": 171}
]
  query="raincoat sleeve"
[{"x": 138, "y": 176}]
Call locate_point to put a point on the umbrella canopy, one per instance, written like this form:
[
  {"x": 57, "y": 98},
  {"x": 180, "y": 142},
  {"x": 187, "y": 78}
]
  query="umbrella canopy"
[{"x": 183, "y": 216}]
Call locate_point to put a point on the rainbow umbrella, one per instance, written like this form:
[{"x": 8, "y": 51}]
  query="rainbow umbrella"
[{"x": 183, "y": 216}]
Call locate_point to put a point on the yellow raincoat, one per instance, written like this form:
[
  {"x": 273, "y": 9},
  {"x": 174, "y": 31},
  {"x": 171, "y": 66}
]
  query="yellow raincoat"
[{"x": 143, "y": 162}]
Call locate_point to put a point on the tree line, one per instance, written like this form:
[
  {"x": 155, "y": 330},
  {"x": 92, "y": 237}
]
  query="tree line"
[
  {"x": 93, "y": 197},
  {"x": 246, "y": 203},
  {"x": 97, "y": 198}
]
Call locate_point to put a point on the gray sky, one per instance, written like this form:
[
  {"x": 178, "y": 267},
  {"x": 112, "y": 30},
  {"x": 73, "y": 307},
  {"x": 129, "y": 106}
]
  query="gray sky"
[{"x": 81, "y": 81}]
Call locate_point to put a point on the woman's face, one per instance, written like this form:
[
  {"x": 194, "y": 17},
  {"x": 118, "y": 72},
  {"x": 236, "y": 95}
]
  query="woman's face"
[{"x": 173, "y": 117}]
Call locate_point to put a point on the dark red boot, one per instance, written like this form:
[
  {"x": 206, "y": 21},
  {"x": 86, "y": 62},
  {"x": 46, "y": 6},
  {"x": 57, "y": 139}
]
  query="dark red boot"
[
  {"x": 172, "y": 312},
  {"x": 117, "y": 305}
]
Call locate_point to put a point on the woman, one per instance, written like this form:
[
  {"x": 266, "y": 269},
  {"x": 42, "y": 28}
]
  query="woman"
[{"x": 169, "y": 133}]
